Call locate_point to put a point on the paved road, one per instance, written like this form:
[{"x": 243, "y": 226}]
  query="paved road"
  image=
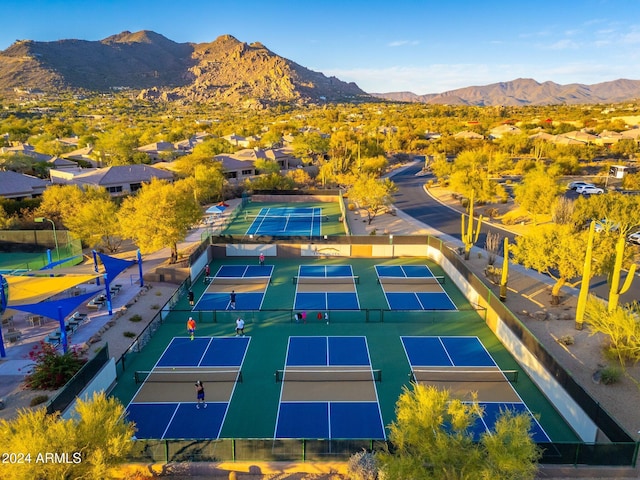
[{"x": 412, "y": 199}]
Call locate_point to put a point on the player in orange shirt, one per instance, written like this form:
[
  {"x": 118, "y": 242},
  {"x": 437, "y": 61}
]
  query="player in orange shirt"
[{"x": 191, "y": 327}]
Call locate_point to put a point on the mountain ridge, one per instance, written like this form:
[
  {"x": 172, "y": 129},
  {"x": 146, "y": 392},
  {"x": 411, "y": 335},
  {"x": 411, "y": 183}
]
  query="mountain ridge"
[
  {"x": 526, "y": 91},
  {"x": 227, "y": 70},
  {"x": 224, "y": 70}
]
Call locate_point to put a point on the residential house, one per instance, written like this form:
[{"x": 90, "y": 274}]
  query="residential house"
[
  {"x": 62, "y": 163},
  {"x": 84, "y": 154},
  {"x": 608, "y": 138},
  {"x": 237, "y": 140},
  {"x": 501, "y": 130},
  {"x": 117, "y": 180},
  {"x": 26, "y": 150},
  {"x": 633, "y": 134},
  {"x": 581, "y": 136},
  {"x": 468, "y": 135},
  {"x": 236, "y": 169},
  {"x": 18, "y": 186},
  {"x": 158, "y": 151}
]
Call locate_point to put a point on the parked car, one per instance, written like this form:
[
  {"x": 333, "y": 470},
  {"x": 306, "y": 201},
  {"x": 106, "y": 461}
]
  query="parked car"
[
  {"x": 605, "y": 226},
  {"x": 634, "y": 238},
  {"x": 576, "y": 185},
  {"x": 589, "y": 190}
]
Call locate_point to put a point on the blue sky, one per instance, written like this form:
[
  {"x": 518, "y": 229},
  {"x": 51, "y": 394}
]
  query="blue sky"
[{"x": 384, "y": 46}]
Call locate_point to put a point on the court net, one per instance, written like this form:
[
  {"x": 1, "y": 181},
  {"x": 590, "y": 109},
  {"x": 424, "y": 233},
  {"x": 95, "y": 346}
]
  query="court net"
[
  {"x": 188, "y": 376},
  {"x": 455, "y": 375},
  {"x": 411, "y": 280},
  {"x": 326, "y": 280},
  {"x": 240, "y": 280},
  {"x": 328, "y": 375},
  {"x": 300, "y": 218}
]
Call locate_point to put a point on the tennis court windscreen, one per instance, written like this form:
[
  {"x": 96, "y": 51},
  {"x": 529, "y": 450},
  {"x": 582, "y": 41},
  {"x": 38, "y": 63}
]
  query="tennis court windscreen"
[
  {"x": 328, "y": 375},
  {"x": 188, "y": 376},
  {"x": 455, "y": 375}
]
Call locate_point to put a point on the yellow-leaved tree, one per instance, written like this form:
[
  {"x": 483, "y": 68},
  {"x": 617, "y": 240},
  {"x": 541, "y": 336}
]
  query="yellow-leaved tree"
[
  {"x": 432, "y": 438},
  {"x": 87, "y": 446},
  {"x": 160, "y": 215}
]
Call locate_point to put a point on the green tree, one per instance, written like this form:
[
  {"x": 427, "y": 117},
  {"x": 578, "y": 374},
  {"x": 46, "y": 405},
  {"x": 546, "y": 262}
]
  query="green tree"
[
  {"x": 537, "y": 192},
  {"x": 95, "y": 221},
  {"x": 266, "y": 166},
  {"x": 272, "y": 181},
  {"x": 160, "y": 215},
  {"x": 60, "y": 201},
  {"x": 554, "y": 250},
  {"x": 372, "y": 194},
  {"x": 210, "y": 182},
  {"x": 432, "y": 439},
  {"x": 620, "y": 325},
  {"x": 89, "y": 445},
  {"x": 118, "y": 147},
  {"x": 469, "y": 176}
]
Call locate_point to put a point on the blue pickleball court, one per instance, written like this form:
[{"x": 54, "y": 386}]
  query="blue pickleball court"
[
  {"x": 169, "y": 409},
  {"x": 404, "y": 289},
  {"x": 359, "y": 418},
  {"x": 217, "y": 295},
  {"x": 444, "y": 353},
  {"x": 316, "y": 296}
]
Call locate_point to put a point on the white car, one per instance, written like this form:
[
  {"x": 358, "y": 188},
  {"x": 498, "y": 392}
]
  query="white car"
[
  {"x": 634, "y": 238},
  {"x": 576, "y": 185},
  {"x": 589, "y": 190}
]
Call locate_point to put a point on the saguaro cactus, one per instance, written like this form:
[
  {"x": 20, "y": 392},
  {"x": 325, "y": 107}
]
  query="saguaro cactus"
[
  {"x": 505, "y": 271},
  {"x": 586, "y": 276},
  {"x": 615, "y": 291},
  {"x": 469, "y": 234}
]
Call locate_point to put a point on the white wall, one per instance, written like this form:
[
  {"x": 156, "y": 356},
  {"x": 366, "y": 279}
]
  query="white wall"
[{"x": 102, "y": 382}]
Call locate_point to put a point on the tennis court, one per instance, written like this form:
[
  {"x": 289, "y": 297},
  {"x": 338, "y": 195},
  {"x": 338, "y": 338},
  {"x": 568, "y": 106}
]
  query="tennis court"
[
  {"x": 164, "y": 406},
  {"x": 463, "y": 365},
  {"x": 299, "y": 221},
  {"x": 328, "y": 390},
  {"x": 413, "y": 287},
  {"x": 326, "y": 287},
  {"x": 247, "y": 282}
]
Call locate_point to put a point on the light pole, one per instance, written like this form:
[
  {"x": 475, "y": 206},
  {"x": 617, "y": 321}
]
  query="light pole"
[{"x": 55, "y": 235}]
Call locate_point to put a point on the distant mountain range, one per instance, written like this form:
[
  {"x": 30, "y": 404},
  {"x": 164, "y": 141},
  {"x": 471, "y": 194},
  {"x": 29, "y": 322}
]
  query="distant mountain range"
[
  {"x": 229, "y": 71},
  {"x": 526, "y": 91}
]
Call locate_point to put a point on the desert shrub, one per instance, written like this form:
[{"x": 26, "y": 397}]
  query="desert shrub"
[
  {"x": 610, "y": 375},
  {"x": 362, "y": 466},
  {"x": 135, "y": 318},
  {"x": 51, "y": 369},
  {"x": 566, "y": 340},
  {"x": 129, "y": 334},
  {"x": 491, "y": 212},
  {"x": 38, "y": 399},
  {"x": 513, "y": 218},
  {"x": 155, "y": 306},
  {"x": 351, "y": 207}
]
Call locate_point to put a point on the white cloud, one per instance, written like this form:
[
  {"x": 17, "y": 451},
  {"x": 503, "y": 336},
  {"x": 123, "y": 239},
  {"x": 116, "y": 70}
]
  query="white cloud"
[
  {"x": 564, "y": 44},
  {"x": 402, "y": 43}
]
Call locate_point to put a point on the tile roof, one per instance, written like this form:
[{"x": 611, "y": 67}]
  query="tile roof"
[
  {"x": 13, "y": 184},
  {"x": 118, "y": 175}
]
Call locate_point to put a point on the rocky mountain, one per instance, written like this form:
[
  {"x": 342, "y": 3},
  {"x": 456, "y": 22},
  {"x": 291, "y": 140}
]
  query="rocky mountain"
[
  {"x": 225, "y": 70},
  {"x": 526, "y": 91}
]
